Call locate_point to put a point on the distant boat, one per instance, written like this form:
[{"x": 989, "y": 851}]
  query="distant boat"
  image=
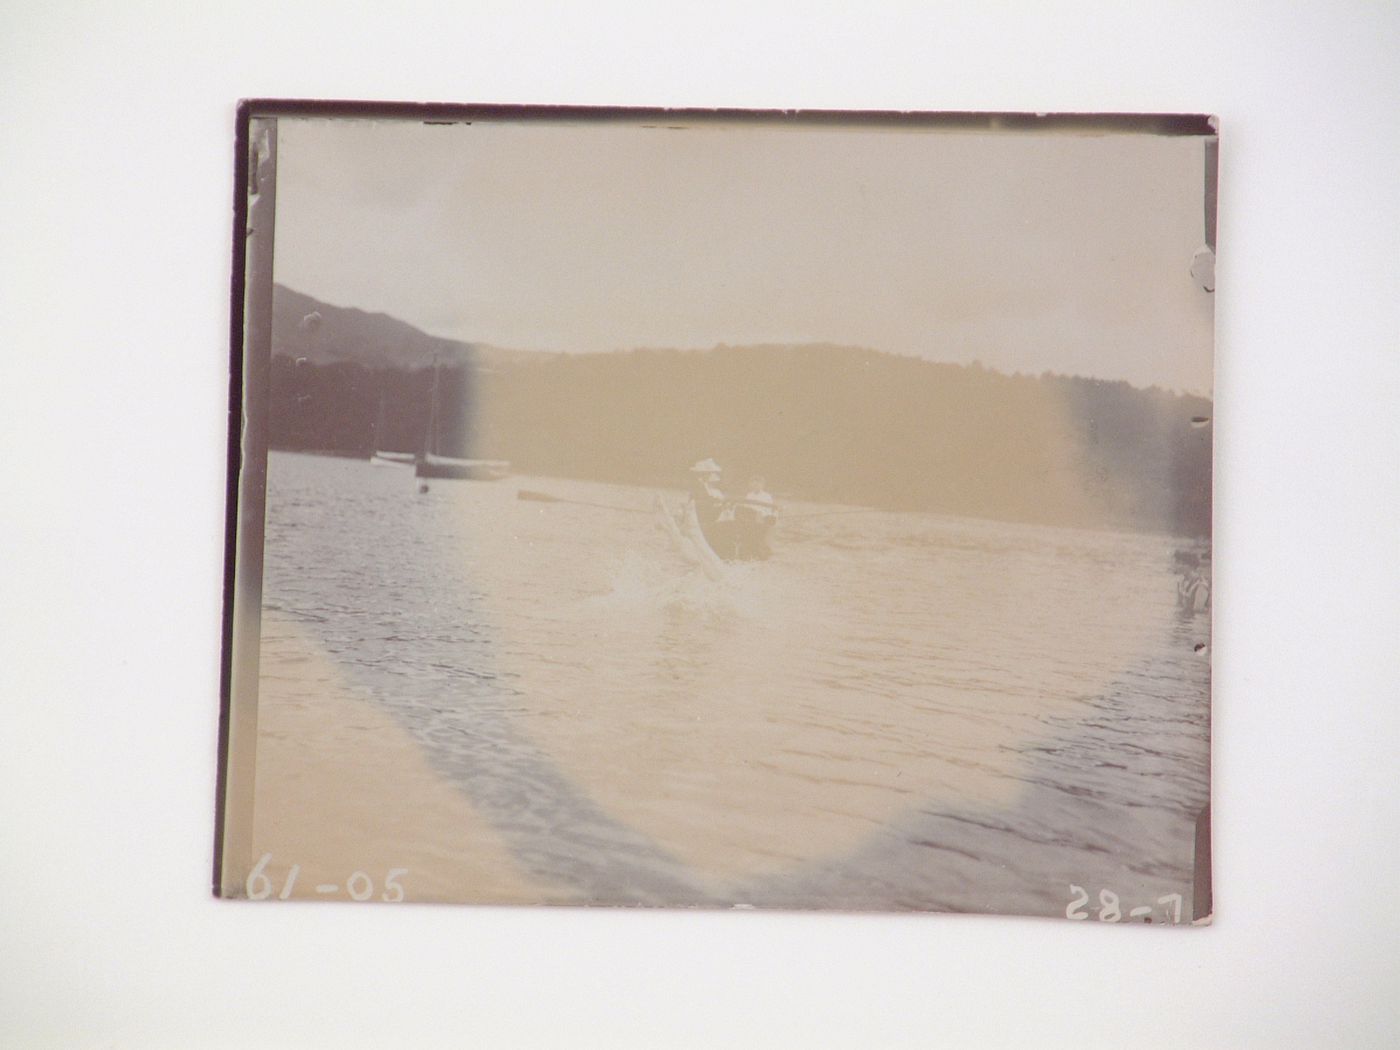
[
  {"x": 432, "y": 465},
  {"x": 1193, "y": 581},
  {"x": 1193, "y": 592},
  {"x": 382, "y": 458}
]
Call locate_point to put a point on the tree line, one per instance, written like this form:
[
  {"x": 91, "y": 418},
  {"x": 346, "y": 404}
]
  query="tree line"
[{"x": 823, "y": 423}]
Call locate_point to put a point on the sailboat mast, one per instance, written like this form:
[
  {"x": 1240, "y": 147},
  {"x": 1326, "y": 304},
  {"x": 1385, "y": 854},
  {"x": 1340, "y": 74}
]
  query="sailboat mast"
[{"x": 430, "y": 440}]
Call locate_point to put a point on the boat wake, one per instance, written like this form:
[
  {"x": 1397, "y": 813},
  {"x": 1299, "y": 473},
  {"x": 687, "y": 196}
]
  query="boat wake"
[{"x": 640, "y": 584}]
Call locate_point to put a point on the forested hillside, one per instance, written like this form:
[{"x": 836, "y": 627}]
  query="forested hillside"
[{"x": 827, "y": 423}]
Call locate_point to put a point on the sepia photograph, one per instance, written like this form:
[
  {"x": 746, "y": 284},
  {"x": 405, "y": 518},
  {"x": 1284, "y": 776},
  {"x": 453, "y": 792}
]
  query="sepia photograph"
[
  {"x": 700, "y": 525},
  {"x": 721, "y": 509}
]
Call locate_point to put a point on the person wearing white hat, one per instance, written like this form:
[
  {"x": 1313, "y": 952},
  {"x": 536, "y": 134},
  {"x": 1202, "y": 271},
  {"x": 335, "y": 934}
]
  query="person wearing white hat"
[
  {"x": 705, "y": 491},
  {"x": 712, "y": 510}
]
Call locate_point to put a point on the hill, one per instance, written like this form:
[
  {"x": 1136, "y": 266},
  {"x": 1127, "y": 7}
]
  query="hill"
[
  {"x": 321, "y": 334},
  {"x": 821, "y": 422}
]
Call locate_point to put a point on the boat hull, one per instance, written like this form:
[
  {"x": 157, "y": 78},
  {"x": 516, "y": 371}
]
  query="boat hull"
[
  {"x": 683, "y": 530},
  {"x": 688, "y": 537},
  {"x": 462, "y": 469}
]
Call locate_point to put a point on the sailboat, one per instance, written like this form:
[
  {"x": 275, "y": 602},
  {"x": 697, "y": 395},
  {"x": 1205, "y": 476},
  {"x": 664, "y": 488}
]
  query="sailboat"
[
  {"x": 432, "y": 465},
  {"x": 393, "y": 459},
  {"x": 383, "y": 458}
]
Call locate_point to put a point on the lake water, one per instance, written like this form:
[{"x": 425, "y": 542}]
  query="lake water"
[{"x": 896, "y": 711}]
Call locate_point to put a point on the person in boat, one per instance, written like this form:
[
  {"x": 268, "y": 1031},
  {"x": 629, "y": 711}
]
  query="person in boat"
[
  {"x": 705, "y": 491},
  {"x": 713, "y": 511},
  {"x": 754, "y": 517}
]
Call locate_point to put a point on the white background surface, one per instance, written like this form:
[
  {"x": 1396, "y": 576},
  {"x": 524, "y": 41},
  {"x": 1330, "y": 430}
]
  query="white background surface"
[{"x": 116, "y": 135}]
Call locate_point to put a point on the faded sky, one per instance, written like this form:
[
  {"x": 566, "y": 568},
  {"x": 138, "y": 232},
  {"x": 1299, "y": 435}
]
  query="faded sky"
[{"x": 1026, "y": 251}]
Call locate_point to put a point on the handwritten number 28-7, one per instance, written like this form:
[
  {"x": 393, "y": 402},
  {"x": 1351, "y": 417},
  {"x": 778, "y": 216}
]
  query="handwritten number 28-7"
[{"x": 1111, "y": 907}]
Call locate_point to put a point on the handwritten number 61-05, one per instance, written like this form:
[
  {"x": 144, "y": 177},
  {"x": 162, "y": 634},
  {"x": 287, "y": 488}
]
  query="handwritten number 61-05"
[
  {"x": 359, "y": 885},
  {"x": 1111, "y": 906}
]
